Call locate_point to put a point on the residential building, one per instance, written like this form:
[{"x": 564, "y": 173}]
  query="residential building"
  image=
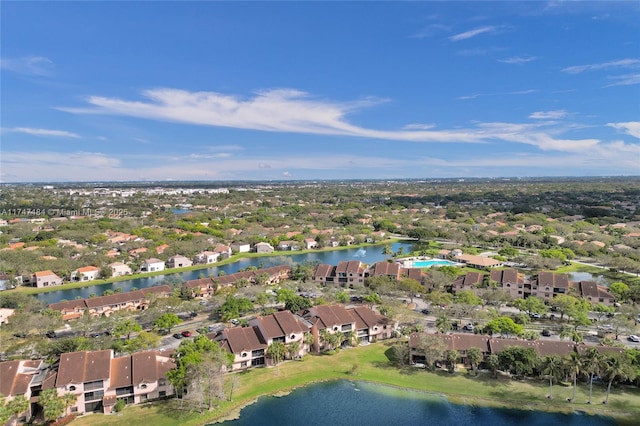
[
  {"x": 310, "y": 243},
  {"x": 263, "y": 247},
  {"x": 152, "y": 265},
  {"x": 86, "y": 273},
  {"x": 247, "y": 345},
  {"x": 283, "y": 327},
  {"x": 119, "y": 269},
  {"x": 179, "y": 261},
  {"x": 239, "y": 247},
  {"x": 206, "y": 257},
  {"x": 43, "y": 279}
]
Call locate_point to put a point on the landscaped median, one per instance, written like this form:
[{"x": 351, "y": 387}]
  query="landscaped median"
[{"x": 374, "y": 366}]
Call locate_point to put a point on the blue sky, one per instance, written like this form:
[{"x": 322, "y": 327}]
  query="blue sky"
[{"x": 113, "y": 91}]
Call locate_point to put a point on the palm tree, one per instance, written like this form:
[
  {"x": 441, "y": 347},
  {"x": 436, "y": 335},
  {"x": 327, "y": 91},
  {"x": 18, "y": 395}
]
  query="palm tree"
[
  {"x": 592, "y": 361},
  {"x": 451, "y": 357},
  {"x": 474, "y": 355},
  {"x": 443, "y": 324},
  {"x": 552, "y": 367},
  {"x": 494, "y": 363},
  {"x": 308, "y": 339},
  {"x": 617, "y": 367},
  {"x": 293, "y": 349},
  {"x": 573, "y": 364},
  {"x": 276, "y": 352}
]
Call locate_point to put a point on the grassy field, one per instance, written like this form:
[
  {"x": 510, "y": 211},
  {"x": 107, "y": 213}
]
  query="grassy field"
[{"x": 373, "y": 365}]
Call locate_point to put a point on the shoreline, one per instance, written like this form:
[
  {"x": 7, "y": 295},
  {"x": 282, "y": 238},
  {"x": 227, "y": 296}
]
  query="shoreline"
[
  {"x": 169, "y": 272},
  {"x": 475, "y": 401}
]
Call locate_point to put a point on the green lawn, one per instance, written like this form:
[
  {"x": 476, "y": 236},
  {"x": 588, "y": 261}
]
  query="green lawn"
[{"x": 373, "y": 365}]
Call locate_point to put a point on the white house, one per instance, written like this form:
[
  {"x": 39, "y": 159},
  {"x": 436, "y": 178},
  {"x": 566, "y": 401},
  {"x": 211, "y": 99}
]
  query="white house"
[
  {"x": 119, "y": 269},
  {"x": 241, "y": 247},
  {"x": 310, "y": 243},
  {"x": 152, "y": 265},
  {"x": 86, "y": 273},
  {"x": 45, "y": 279},
  {"x": 207, "y": 257},
  {"x": 264, "y": 248},
  {"x": 179, "y": 261}
]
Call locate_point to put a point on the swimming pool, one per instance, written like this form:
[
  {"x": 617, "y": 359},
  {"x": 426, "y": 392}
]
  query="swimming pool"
[{"x": 430, "y": 263}]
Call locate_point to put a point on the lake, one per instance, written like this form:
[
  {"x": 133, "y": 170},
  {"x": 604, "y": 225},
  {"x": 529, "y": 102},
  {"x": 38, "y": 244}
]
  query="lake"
[
  {"x": 368, "y": 255},
  {"x": 361, "y": 403}
]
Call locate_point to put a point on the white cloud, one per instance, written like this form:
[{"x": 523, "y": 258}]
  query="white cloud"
[
  {"x": 29, "y": 65},
  {"x": 518, "y": 59},
  {"x": 622, "y": 63},
  {"x": 43, "y": 132},
  {"x": 631, "y": 128},
  {"x": 292, "y": 111},
  {"x": 549, "y": 115},
  {"x": 472, "y": 33},
  {"x": 624, "y": 80},
  {"x": 431, "y": 30},
  {"x": 418, "y": 126}
]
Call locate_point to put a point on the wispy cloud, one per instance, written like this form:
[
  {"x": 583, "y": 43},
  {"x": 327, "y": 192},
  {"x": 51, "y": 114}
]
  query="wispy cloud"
[
  {"x": 29, "y": 65},
  {"x": 631, "y": 128},
  {"x": 518, "y": 59},
  {"x": 515, "y": 92},
  {"x": 431, "y": 30},
  {"x": 292, "y": 111},
  {"x": 473, "y": 33},
  {"x": 43, "y": 132},
  {"x": 624, "y": 80},
  {"x": 622, "y": 63},
  {"x": 549, "y": 115}
]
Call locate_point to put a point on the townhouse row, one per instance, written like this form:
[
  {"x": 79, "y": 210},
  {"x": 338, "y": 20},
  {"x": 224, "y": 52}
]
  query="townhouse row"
[
  {"x": 462, "y": 342},
  {"x": 98, "y": 380},
  {"x": 139, "y": 300}
]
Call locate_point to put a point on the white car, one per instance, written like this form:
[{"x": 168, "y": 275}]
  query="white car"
[{"x": 634, "y": 338}]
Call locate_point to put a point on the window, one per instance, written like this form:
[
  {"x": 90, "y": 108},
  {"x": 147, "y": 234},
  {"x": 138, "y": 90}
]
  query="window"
[
  {"x": 162, "y": 382},
  {"x": 74, "y": 409},
  {"x": 143, "y": 386},
  {"x": 72, "y": 388},
  {"x": 243, "y": 364},
  {"x": 162, "y": 394},
  {"x": 144, "y": 397},
  {"x": 97, "y": 384},
  {"x": 125, "y": 390},
  {"x": 90, "y": 396},
  {"x": 244, "y": 354}
]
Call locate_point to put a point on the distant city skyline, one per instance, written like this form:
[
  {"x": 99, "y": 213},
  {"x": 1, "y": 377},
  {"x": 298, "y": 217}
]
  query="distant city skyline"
[{"x": 233, "y": 91}]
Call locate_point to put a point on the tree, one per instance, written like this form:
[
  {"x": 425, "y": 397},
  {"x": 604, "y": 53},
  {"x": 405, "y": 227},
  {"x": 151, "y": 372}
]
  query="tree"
[
  {"x": 518, "y": 360},
  {"x": 342, "y": 297},
  {"x": 493, "y": 363},
  {"x": 125, "y": 327},
  {"x": 591, "y": 364},
  {"x": 474, "y": 355},
  {"x": 563, "y": 303},
  {"x": 433, "y": 348},
  {"x": 293, "y": 349},
  {"x": 443, "y": 324},
  {"x": 451, "y": 357},
  {"x": 15, "y": 407},
  {"x": 188, "y": 356},
  {"x": 276, "y": 351},
  {"x": 297, "y": 303},
  {"x": 53, "y": 405},
  {"x": 372, "y": 299},
  {"x": 234, "y": 307},
  {"x": 573, "y": 365},
  {"x": 166, "y": 321},
  {"x": 505, "y": 326},
  {"x": 620, "y": 290},
  {"x": 410, "y": 287},
  {"x": 552, "y": 367},
  {"x": 617, "y": 367}
]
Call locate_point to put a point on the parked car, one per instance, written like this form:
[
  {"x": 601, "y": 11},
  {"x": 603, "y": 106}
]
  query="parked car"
[
  {"x": 425, "y": 311},
  {"x": 193, "y": 314},
  {"x": 186, "y": 333},
  {"x": 634, "y": 338},
  {"x": 469, "y": 327},
  {"x": 235, "y": 321},
  {"x": 177, "y": 336},
  {"x": 51, "y": 334},
  {"x": 535, "y": 315},
  {"x": 546, "y": 332}
]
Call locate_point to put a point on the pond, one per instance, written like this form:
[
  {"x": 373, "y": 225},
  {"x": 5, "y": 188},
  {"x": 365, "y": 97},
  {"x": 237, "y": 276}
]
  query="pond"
[
  {"x": 368, "y": 255},
  {"x": 362, "y": 403}
]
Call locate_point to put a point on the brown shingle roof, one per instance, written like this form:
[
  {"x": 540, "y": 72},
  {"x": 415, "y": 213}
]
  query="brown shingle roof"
[
  {"x": 14, "y": 380},
  {"x": 80, "y": 367},
  {"x": 329, "y": 316},
  {"x": 242, "y": 339},
  {"x": 121, "y": 372}
]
